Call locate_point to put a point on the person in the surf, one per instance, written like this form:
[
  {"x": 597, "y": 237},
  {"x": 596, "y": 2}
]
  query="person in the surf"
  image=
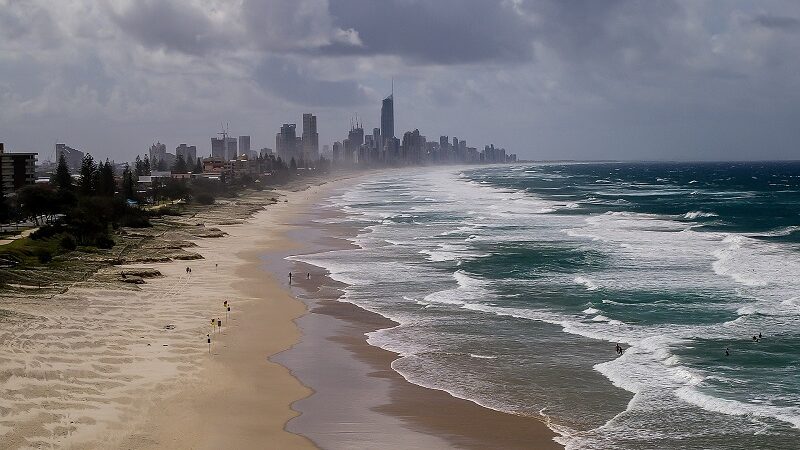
[{"x": 727, "y": 352}]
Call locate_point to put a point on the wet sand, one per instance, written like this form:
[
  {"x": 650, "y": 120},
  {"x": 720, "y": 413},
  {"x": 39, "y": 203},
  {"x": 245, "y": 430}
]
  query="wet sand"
[{"x": 358, "y": 400}]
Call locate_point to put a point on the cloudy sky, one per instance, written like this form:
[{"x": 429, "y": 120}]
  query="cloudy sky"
[{"x": 580, "y": 79}]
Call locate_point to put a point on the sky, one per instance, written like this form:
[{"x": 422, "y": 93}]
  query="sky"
[{"x": 546, "y": 79}]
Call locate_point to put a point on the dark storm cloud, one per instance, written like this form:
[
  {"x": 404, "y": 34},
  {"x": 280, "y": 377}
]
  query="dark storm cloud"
[
  {"x": 777, "y": 22},
  {"x": 289, "y": 81},
  {"x": 283, "y": 26},
  {"x": 170, "y": 25},
  {"x": 434, "y": 32}
]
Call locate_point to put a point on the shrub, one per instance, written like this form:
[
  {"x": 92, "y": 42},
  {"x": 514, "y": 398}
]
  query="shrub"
[
  {"x": 105, "y": 242},
  {"x": 68, "y": 242},
  {"x": 44, "y": 255},
  {"x": 204, "y": 198},
  {"x": 135, "y": 221},
  {"x": 46, "y": 231}
]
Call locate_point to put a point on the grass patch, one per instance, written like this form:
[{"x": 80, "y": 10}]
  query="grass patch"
[{"x": 31, "y": 252}]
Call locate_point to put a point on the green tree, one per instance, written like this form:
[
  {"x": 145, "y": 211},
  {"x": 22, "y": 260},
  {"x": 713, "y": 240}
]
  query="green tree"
[
  {"x": 138, "y": 166},
  {"x": 146, "y": 166},
  {"x": 293, "y": 165},
  {"x": 62, "y": 179},
  {"x": 91, "y": 218},
  {"x": 180, "y": 165},
  {"x": 161, "y": 165},
  {"x": 106, "y": 184},
  {"x": 36, "y": 201},
  {"x": 88, "y": 175},
  {"x": 128, "y": 186},
  {"x": 198, "y": 168}
]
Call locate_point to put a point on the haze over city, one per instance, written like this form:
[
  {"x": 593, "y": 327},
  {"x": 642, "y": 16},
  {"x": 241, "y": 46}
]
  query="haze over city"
[{"x": 705, "y": 80}]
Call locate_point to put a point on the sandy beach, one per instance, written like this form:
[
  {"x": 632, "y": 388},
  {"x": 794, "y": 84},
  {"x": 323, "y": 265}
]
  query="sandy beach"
[
  {"x": 110, "y": 366},
  {"x": 113, "y": 365}
]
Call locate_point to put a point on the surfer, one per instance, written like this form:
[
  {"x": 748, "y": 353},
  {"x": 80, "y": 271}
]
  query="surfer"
[
  {"x": 727, "y": 352},
  {"x": 618, "y": 349}
]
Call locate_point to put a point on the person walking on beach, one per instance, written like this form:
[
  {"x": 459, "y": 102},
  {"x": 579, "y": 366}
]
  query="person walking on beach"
[
  {"x": 308, "y": 275},
  {"x": 290, "y": 277}
]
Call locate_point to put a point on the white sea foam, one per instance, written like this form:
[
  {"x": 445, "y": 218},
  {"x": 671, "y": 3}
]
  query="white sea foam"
[
  {"x": 708, "y": 402},
  {"x": 590, "y": 311},
  {"x": 473, "y": 355},
  {"x": 691, "y": 215},
  {"x": 590, "y": 285}
]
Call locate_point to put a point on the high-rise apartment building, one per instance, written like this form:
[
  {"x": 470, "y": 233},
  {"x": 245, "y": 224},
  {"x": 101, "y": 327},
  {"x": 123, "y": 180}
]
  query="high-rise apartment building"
[
  {"x": 244, "y": 147},
  {"x": 158, "y": 152},
  {"x": 336, "y": 153},
  {"x": 224, "y": 149},
  {"x": 286, "y": 142},
  {"x": 188, "y": 152},
  {"x": 310, "y": 138},
  {"x": 16, "y": 170},
  {"x": 72, "y": 156}
]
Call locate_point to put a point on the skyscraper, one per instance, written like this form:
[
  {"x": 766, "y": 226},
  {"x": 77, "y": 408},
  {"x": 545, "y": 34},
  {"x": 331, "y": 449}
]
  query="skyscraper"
[
  {"x": 188, "y": 152},
  {"x": 158, "y": 152},
  {"x": 355, "y": 139},
  {"x": 244, "y": 146},
  {"x": 224, "y": 149},
  {"x": 310, "y": 138},
  {"x": 217, "y": 148},
  {"x": 286, "y": 142},
  {"x": 387, "y": 118}
]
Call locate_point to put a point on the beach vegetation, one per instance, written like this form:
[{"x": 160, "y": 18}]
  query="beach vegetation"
[{"x": 68, "y": 242}]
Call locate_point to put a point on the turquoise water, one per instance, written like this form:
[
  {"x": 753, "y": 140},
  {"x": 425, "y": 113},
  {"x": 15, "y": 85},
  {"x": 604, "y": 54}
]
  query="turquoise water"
[{"x": 512, "y": 286}]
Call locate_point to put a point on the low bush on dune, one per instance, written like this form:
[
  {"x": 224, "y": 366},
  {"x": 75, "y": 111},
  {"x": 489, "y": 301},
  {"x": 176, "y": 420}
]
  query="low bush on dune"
[{"x": 205, "y": 198}]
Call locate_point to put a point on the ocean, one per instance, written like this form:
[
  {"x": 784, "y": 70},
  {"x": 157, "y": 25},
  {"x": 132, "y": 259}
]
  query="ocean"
[{"x": 512, "y": 285}]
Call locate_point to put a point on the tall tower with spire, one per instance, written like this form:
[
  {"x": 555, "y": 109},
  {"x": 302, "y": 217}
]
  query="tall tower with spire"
[{"x": 387, "y": 116}]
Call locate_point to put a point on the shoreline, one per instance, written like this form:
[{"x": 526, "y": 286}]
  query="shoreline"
[
  {"x": 373, "y": 405},
  {"x": 142, "y": 349},
  {"x": 245, "y": 399}
]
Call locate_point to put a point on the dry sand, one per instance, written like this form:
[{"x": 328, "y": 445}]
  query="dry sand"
[{"x": 118, "y": 366}]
